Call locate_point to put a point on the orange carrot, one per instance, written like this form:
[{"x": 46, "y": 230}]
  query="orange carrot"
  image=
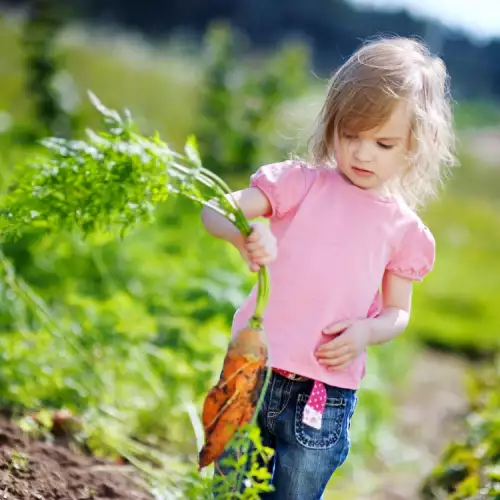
[
  {"x": 226, "y": 425},
  {"x": 214, "y": 401},
  {"x": 231, "y": 403}
]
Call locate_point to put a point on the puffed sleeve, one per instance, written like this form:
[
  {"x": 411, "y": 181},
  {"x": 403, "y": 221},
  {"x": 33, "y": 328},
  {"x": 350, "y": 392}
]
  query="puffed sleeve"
[
  {"x": 285, "y": 184},
  {"x": 415, "y": 255}
]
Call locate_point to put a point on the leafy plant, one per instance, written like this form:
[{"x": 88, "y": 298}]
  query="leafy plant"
[
  {"x": 44, "y": 22},
  {"x": 470, "y": 469},
  {"x": 109, "y": 183},
  {"x": 239, "y": 103}
]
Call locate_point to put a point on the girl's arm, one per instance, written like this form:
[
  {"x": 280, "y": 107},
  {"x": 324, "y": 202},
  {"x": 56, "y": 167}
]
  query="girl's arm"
[
  {"x": 258, "y": 249},
  {"x": 356, "y": 335},
  {"x": 253, "y": 203},
  {"x": 395, "y": 316}
]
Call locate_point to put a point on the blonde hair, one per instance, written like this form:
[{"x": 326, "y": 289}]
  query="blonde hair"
[{"x": 362, "y": 95}]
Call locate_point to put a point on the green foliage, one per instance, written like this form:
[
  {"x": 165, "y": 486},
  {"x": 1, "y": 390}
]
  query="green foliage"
[
  {"x": 470, "y": 115},
  {"x": 92, "y": 325},
  {"x": 240, "y": 103},
  {"x": 43, "y": 24},
  {"x": 459, "y": 298},
  {"x": 74, "y": 188},
  {"x": 113, "y": 180},
  {"x": 129, "y": 357},
  {"x": 470, "y": 468},
  {"x": 18, "y": 462},
  {"x": 165, "y": 294},
  {"x": 158, "y": 84},
  {"x": 82, "y": 185},
  {"x": 251, "y": 456},
  {"x": 333, "y": 29},
  {"x": 248, "y": 478}
]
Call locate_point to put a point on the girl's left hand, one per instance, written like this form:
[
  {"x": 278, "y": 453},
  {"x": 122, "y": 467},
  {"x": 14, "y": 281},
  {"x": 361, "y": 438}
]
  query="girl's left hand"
[{"x": 352, "y": 340}]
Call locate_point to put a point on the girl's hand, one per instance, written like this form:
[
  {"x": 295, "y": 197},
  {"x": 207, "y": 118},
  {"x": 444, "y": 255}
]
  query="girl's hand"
[
  {"x": 260, "y": 248},
  {"x": 352, "y": 339}
]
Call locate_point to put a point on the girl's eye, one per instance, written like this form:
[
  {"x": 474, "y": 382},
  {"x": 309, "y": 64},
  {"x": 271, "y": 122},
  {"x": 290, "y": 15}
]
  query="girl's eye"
[
  {"x": 385, "y": 146},
  {"x": 349, "y": 136}
]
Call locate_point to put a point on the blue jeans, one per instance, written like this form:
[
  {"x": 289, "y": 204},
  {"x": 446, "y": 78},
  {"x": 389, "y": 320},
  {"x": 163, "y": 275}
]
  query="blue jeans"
[{"x": 304, "y": 458}]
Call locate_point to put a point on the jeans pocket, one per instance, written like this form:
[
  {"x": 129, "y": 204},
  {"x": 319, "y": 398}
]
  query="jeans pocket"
[{"x": 331, "y": 428}]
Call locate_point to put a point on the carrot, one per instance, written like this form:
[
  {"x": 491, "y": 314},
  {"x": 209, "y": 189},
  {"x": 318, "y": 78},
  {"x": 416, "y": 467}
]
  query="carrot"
[
  {"x": 235, "y": 364},
  {"x": 236, "y": 414},
  {"x": 239, "y": 391},
  {"x": 214, "y": 401},
  {"x": 231, "y": 402},
  {"x": 226, "y": 425}
]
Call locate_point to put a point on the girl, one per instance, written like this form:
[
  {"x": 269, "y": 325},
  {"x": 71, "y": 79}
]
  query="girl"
[{"x": 344, "y": 247}]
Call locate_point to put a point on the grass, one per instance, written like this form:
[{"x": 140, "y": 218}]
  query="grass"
[
  {"x": 477, "y": 114},
  {"x": 158, "y": 85},
  {"x": 458, "y": 303},
  {"x": 160, "y": 88}
]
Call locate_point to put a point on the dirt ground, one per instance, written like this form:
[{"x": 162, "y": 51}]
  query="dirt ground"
[{"x": 33, "y": 470}]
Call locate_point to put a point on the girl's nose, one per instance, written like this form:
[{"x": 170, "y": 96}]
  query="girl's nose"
[{"x": 363, "y": 151}]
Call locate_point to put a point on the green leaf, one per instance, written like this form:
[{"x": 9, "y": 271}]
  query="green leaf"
[
  {"x": 192, "y": 151},
  {"x": 103, "y": 110}
]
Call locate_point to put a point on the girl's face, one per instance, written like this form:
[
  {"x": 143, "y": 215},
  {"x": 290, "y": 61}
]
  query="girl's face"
[{"x": 370, "y": 158}]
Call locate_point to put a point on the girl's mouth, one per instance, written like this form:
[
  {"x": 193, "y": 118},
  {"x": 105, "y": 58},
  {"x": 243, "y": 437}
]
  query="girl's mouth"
[{"x": 361, "y": 171}]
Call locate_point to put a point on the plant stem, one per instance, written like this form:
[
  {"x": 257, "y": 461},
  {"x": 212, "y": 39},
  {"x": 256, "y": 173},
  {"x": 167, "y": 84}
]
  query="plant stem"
[
  {"x": 263, "y": 294},
  {"x": 245, "y": 228},
  {"x": 253, "y": 422},
  {"x": 213, "y": 181},
  {"x": 263, "y": 290}
]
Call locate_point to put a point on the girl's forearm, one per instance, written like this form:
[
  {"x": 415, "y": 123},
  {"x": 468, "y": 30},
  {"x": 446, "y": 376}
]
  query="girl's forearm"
[
  {"x": 252, "y": 202},
  {"x": 389, "y": 324},
  {"x": 220, "y": 227}
]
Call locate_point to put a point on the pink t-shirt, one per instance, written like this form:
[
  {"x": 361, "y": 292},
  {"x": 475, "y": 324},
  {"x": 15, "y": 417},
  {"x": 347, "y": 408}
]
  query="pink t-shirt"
[{"x": 335, "y": 242}]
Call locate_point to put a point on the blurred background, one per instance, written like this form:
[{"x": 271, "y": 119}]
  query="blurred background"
[{"x": 153, "y": 311}]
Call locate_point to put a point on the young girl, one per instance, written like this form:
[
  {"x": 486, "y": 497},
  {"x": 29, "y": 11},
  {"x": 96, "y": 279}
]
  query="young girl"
[{"x": 344, "y": 246}]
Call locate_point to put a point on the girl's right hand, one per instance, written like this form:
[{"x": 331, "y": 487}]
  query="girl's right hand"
[{"x": 260, "y": 248}]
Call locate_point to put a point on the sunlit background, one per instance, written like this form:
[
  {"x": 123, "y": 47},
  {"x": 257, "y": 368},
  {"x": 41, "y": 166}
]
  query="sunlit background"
[{"x": 139, "y": 326}]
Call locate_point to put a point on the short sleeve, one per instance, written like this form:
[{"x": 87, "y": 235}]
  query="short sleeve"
[
  {"x": 415, "y": 256},
  {"x": 285, "y": 184}
]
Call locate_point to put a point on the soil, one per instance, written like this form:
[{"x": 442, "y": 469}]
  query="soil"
[{"x": 34, "y": 470}]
